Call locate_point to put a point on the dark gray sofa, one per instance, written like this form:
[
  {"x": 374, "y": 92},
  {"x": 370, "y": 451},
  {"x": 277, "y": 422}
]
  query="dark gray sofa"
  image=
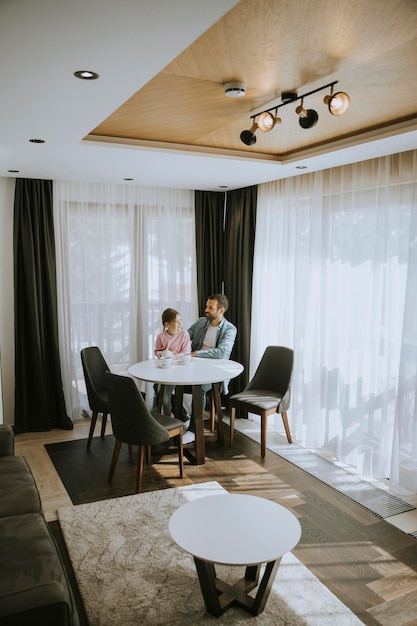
[{"x": 34, "y": 587}]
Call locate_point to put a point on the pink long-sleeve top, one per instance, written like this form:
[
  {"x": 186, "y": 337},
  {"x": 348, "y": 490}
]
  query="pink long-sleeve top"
[{"x": 178, "y": 343}]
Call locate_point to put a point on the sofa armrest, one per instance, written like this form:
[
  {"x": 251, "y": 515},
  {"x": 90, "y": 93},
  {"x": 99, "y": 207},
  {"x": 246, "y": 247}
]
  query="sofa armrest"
[
  {"x": 6, "y": 440},
  {"x": 45, "y": 604}
]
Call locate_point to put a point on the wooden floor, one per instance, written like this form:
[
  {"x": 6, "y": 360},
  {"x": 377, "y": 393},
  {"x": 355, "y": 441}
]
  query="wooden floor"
[{"x": 369, "y": 564}]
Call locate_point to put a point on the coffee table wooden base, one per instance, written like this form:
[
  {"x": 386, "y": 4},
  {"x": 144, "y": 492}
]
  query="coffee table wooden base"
[
  {"x": 248, "y": 532},
  {"x": 220, "y": 596}
]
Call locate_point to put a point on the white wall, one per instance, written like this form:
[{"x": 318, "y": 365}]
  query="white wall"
[{"x": 7, "y": 186}]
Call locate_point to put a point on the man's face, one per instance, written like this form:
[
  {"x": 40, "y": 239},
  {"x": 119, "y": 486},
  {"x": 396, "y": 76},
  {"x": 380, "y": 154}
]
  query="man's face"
[{"x": 213, "y": 312}]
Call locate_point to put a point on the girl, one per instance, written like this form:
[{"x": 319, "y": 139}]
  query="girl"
[{"x": 176, "y": 340}]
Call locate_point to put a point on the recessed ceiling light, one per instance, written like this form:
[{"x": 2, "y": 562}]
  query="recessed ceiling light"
[
  {"x": 223, "y": 186},
  {"x": 128, "y": 179},
  {"x": 86, "y": 75},
  {"x": 37, "y": 140},
  {"x": 13, "y": 171},
  {"x": 301, "y": 167}
]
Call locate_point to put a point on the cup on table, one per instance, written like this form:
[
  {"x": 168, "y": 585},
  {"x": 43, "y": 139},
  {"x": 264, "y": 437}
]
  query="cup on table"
[
  {"x": 164, "y": 361},
  {"x": 184, "y": 358}
]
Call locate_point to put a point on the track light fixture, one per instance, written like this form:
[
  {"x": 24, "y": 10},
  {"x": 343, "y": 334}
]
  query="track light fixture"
[
  {"x": 248, "y": 136},
  {"x": 308, "y": 117},
  {"x": 337, "y": 103},
  {"x": 266, "y": 121}
]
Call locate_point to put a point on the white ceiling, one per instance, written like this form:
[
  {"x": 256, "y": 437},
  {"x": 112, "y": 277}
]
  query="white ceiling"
[{"x": 127, "y": 42}]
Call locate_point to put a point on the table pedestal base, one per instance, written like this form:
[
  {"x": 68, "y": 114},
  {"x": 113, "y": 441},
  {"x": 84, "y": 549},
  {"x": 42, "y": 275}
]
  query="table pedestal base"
[
  {"x": 220, "y": 596},
  {"x": 199, "y": 456}
]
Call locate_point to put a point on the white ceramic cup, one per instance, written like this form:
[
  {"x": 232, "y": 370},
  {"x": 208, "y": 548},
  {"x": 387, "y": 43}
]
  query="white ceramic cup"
[
  {"x": 165, "y": 361},
  {"x": 185, "y": 358}
]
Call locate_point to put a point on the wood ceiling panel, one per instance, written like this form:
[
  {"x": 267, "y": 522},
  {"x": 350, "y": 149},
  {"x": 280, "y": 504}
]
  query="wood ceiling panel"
[{"x": 274, "y": 46}]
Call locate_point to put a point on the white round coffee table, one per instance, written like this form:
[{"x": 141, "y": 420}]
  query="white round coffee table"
[{"x": 244, "y": 530}]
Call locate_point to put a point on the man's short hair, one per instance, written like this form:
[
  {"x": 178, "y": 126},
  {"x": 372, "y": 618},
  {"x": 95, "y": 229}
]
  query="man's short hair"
[{"x": 222, "y": 300}]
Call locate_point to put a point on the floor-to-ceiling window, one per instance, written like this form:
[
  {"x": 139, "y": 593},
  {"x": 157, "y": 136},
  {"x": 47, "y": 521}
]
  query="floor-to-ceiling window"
[
  {"x": 124, "y": 254},
  {"x": 332, "y": 273}
]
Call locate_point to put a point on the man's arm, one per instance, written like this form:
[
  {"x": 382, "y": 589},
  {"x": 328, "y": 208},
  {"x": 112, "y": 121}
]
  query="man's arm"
[
  {"x": 191, "y": 330},
  {"x": 197, "y": 332}
]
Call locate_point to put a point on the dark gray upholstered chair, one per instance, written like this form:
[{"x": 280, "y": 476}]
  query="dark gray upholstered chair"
[
  {"x": 268, "y": 392},
  {"x": 94, "y": 367},
  {"x": 133, "y": 423}
]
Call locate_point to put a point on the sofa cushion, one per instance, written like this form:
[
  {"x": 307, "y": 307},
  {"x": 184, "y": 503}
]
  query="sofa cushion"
[
  {"x": 18, "y": 491},
  {"x": 35, "y": 573}
]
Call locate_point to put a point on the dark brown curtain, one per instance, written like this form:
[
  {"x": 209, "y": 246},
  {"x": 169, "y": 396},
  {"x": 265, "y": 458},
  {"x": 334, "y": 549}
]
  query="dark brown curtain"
[
  {"x": 39, "y": 398},
  {"x": 239, "y": 244},
  {"x": 210, "y": 249},
  {"x": 225, "y": 236}
]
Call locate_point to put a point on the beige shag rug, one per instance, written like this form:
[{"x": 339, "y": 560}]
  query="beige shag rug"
[{"x": 130, "y": 572}]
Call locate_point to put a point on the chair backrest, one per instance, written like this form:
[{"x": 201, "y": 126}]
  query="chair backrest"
[
  {"x": 274, "y": 371},
  {"x": 94, "y": 368},
  {"x": 131, "y": 419}
]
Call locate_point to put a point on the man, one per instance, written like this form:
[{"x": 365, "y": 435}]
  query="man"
[{"x": 213, "y": 337}]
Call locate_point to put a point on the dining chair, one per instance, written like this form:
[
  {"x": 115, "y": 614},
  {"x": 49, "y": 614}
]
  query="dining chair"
[
  {"x": 133, "y": 423},
  {"x": 268, "y": 392},
  {"x": 94, "y": 367},
  {"x": 212, "y": 408}
]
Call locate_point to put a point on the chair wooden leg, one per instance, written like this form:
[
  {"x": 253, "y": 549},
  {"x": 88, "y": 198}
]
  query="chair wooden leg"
[
  {"x": 212, "y": 414},
  {"x": 264, "y": 423},
  {"x": 149, "y": 455},
  {"x": 178, "y": 432},
  {"x": 286, "y": 426},
  {"x": 103, "y": 425},
  {"x": 139, "y": 471},
  {"x": 218, "y": 411},
  {"x": 92, "y": 427},
  {"x": 232, "y": 424},
  {"x": 115, "y": 458},
  {"x": 181, "y": 454}
]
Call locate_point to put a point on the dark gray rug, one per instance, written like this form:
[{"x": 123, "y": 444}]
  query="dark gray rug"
[{"x": 84, "y": 472}]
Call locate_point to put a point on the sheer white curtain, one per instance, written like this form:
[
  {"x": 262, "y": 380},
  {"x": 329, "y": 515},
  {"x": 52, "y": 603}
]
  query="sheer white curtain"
[
  {"x": 7, "y": 350},
  {"x": 333, "y": 270},
  {"x": 124, "y": 253}
]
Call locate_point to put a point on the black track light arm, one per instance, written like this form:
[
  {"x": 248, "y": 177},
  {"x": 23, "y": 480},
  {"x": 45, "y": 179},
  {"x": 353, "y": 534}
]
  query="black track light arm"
[{"x": 293, "y": 98}]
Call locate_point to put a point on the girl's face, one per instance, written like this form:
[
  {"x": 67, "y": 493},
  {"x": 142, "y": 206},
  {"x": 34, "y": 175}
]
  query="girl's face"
[{"x": 174, "y": 326}]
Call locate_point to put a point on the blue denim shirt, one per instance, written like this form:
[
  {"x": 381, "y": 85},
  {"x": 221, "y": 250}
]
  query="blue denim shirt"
[{"x": 224, "y": 345}]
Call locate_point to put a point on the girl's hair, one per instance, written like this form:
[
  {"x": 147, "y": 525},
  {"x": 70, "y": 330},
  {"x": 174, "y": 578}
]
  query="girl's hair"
[{"x": 169, "y": 316}]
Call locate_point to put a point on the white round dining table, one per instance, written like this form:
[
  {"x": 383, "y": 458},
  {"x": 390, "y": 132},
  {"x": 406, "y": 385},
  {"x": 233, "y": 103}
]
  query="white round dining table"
[{"x": 197, "y": 372}]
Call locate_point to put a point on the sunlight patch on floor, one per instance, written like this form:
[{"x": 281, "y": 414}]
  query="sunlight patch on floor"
[{"x": 407, "y": 521}]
